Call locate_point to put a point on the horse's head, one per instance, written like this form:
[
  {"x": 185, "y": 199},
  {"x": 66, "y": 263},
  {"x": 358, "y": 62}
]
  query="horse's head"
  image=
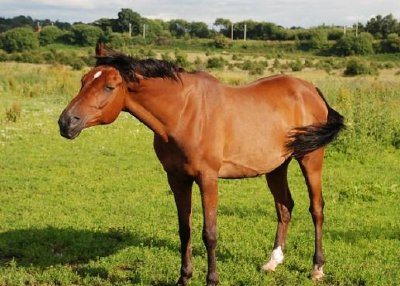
[{"x": 99, "y": 101}]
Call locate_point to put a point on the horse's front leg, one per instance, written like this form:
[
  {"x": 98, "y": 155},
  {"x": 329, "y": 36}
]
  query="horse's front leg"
[
  {"x": 208, "y": 184},
  {"x": 182, "y": 189}
]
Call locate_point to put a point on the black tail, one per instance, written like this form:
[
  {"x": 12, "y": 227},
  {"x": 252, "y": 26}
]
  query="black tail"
[{"x": 303, "y": 140}]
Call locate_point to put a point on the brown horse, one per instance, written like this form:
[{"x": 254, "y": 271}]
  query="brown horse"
[{"x": 205, "y": 130}]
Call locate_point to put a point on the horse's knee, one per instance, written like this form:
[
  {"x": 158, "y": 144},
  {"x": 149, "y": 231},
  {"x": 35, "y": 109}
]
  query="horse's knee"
[
  {"x": 317, "y": 210},
  {"x": 210, "y": 238}
]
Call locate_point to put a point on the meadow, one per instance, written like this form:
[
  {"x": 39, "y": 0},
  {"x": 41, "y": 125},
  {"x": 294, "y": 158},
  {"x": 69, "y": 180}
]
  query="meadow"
[{"x": 98, "y": 210}]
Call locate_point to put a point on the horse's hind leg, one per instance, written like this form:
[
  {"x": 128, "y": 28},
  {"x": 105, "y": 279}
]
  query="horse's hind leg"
[
  {"x": 311, "y": 166},
  {"x": 278, "y": 184}
]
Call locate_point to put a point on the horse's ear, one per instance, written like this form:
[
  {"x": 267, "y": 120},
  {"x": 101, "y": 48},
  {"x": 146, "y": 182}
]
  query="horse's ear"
[{"x": 100, "y": 49}]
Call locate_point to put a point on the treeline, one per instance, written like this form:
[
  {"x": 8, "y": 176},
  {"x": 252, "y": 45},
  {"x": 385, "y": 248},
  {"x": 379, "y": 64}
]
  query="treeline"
[{"x": 381, "y": 34}]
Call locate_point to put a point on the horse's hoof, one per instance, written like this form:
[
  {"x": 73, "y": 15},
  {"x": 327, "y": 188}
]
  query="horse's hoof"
[
  {"x": 276, "y": 259},
  {"x": 317, "y": 273},
  {"x": 270, "y": 266}
]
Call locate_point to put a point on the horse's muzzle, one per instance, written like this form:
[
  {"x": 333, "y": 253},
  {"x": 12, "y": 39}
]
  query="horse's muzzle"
[{"x": 70, "y": 125}]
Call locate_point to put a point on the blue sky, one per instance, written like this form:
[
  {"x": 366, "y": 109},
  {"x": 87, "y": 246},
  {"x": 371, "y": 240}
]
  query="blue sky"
[{"x": 305, "y": 13}]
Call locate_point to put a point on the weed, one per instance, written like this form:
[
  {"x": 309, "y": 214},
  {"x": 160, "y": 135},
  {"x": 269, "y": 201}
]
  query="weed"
[{"x": 13, "y": 113}]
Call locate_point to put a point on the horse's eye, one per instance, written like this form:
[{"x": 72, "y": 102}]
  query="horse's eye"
[{"x": 109, "y": 88}]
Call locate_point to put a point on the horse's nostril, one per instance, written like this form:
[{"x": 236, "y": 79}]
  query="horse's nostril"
[{"x": 75, "y": 119}]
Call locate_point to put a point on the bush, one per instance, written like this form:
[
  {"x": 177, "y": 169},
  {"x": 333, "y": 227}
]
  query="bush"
[
  {"x": 13, "y": 113},
  {"x": 352, "y": 45},
  {"x": 19, "y": 39},
  {"x": 3, "y": 56},
  {"x": 181, "y": 59},
  {"x": 297, "y": 65},
  {"x": 216, "y": 63},
  {"x": 391, "y": 44},
  {"x": 50, "y": 35},
  {"x": 358, "y": 66},
  {"x": 222, "y": 42},
  {"x": 118, "y": 40},
  {"x": 86, "y": 35},
  {"x": 166, "y": 57},
  {"x": 318, "y": 40},
  {"x": 199, "y": 64},
  {"x": 254, "y": 67}
]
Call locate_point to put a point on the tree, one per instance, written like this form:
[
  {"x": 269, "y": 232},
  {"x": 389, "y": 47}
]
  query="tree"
[
  {"x": 125, "y": 17},
  {"x": 19, "y": 39},
  {"x": 104, "y": 24},
  {"x": 224, "y": 26},
  {"x": 263, "y": 31},
  {"x": 154, "y": 29},
  {"x": 381, "y": 27},
  {"x": 199, "y": 30},
  {"x": 318, "y": 40},
  {"x": 363, "y": 44},
  {"x": 49, "y": 35},
  {"x": 86, "y": 35},
  {"x": 178, "y": 28},
  {"x": 391, "y": 44}
]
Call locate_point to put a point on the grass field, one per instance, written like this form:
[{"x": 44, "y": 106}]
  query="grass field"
[{"x": 98, "y": 210}]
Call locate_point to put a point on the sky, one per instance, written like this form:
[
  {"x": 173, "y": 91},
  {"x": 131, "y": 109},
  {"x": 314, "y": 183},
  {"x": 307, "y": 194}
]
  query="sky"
[{"x": 287, "y": 13}]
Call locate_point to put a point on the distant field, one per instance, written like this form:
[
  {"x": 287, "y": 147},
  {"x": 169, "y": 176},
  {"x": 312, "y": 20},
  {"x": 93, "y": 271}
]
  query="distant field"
[{"x": 98, "y": 210}]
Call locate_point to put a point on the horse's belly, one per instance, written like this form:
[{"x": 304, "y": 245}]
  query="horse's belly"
[{"x": 246, "y": 166}]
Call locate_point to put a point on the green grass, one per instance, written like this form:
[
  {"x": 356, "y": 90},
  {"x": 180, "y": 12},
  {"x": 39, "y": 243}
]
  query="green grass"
[{"x": 98, "y": 210}]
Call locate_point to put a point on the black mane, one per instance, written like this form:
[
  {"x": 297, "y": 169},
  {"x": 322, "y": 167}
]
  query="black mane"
[{"x": 148, "y": 68}]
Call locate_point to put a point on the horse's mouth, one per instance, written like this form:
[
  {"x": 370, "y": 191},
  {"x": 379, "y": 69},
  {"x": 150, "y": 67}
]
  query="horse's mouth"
[
  {"x": 70, "y": 134},
  {"x": 70, "y": 128}
]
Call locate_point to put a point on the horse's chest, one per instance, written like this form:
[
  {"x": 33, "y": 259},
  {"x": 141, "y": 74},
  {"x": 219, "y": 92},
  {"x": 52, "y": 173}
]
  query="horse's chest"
[{"x": 174, "y": 159}]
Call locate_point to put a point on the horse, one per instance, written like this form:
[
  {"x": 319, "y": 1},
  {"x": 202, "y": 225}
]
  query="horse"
[{"x": 205, "y": 130}]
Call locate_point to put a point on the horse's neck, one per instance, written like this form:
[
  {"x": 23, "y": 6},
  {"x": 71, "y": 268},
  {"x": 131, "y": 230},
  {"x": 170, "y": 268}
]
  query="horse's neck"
[{"x": 158, "y": 105}]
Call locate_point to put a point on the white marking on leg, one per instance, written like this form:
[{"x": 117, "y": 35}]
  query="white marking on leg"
[
  {"x": 98, "y": 74},
  {"x": 275, "y": 260},
  {"x": 317, "y": 273}
]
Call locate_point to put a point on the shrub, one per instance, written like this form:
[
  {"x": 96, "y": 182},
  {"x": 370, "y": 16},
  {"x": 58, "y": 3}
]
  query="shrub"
[
  {"x": 254, "y": 67},
  {"x": 222, "y": 42},
  {"x": 352, "y": 45},
  {"x": 13, "y": 113},
  {"x": 118, "y": 40},
  {"x": 181, "y": 59},
  {"x": 318, "y": 40},
  {"x": 358, "y": 66},
  {"x": 396, "y": 139},
  {"x": 50, "y": 35},
  {"x": 3, "y": 56},
  {"x": 216, "y": 63},
  {"x": 166, "y": 57},
  {"x": 19, "y": 39},
  {"x": 391, "y": 44},
  {"x": 297, "y": 65},
  {"x": 199, "y": 64},
  {"x": 86, "y": 35}
]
